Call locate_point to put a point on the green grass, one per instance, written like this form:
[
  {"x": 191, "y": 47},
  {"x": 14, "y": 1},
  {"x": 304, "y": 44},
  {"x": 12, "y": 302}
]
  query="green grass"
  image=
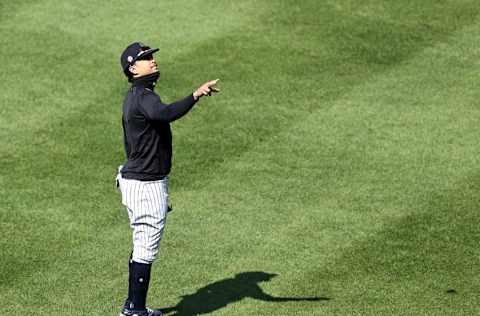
[{"x": 342, "y": 155}]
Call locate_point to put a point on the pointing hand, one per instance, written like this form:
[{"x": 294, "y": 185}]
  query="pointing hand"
[{"x": 206, "y": 89}]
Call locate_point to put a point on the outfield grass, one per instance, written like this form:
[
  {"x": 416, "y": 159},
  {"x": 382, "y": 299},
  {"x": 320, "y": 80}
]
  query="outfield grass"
[{"x": 342, "y": 155}]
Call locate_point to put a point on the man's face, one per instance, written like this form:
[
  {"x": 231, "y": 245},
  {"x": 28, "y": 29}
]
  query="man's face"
[{"x": 144, "y": 66}]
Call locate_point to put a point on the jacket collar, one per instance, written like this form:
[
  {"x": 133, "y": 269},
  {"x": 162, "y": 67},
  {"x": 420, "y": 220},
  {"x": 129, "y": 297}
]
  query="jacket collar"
[{"x": 147, "y": 81}]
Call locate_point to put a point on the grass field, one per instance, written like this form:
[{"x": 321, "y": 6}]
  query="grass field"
[{"x": 342, "y": 154}]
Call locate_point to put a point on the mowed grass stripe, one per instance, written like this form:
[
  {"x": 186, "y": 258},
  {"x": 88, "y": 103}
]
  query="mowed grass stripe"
[
  {"x": 55, "y": 188},
  {"x": 435, "y": 162},
  {"x": 65, "y": 61},
  {"x": 410, "y": 266},
  {"x": 267, "y": 146},
  {"x": 94, "y": 113},
  {"x": 209, "y": 275},
  {"x": 83, "y": 115},
  {"x": 266, "y": 95},
  {"x": 91, "y": 203},
  {"x": 432, "y": 249},
  {"x": 393, "y": 177}
]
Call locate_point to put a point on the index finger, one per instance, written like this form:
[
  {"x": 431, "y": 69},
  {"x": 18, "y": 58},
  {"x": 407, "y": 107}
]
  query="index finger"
[{"x": 213, "y": 82}]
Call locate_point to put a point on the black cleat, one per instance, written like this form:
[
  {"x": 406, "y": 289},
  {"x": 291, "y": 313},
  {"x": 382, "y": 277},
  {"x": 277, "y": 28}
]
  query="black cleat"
[{"x": 148, "y": 312}]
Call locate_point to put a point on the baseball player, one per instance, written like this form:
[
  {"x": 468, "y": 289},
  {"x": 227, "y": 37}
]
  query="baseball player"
[{"x": 143, "y": 179}]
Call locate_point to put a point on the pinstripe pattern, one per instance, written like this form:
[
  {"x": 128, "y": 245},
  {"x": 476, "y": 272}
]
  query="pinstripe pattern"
[{"x": 147, "y": 205}]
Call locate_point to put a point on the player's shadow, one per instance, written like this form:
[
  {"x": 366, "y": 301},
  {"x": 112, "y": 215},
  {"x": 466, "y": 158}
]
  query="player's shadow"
[{"x": 221, "y": 293}]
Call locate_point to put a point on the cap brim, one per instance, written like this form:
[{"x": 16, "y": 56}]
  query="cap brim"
[{"x": 145, "y": 53}]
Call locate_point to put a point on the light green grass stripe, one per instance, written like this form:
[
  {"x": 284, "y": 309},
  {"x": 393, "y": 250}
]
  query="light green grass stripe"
[
  {"x": 220, "y": 273},
  {"x": 389, "y": 113},
  {"x": 34, "y": 119},
  {"x": 342, "y": 52},
  {"x": 72, "y": 47},
  {"x": 425, "y": 164}
]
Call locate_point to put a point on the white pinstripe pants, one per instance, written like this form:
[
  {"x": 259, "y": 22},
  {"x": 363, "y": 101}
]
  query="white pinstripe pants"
[{"x": 147, "y": 206}]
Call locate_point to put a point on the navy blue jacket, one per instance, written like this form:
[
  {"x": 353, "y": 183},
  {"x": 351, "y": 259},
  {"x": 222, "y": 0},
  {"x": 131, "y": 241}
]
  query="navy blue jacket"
[{"x": 146, "y": 129}]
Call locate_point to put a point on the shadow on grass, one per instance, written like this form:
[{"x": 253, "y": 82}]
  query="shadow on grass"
[{"x": 221, "y": 293}]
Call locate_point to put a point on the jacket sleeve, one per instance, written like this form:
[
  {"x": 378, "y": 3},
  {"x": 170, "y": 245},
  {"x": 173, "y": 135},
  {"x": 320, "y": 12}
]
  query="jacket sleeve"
[{"x": 156, "y": 111}]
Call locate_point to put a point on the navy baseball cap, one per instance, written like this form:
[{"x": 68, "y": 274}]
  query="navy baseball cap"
[{"x": 134, "y": 52}]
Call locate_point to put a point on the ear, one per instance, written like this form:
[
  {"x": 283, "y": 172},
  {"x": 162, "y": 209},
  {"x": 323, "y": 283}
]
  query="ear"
[{"x": 132, "y": 69}]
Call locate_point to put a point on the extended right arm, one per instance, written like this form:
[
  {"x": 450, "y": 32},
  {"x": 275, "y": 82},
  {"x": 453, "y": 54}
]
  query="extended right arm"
[{"x": 156, "y": 111}]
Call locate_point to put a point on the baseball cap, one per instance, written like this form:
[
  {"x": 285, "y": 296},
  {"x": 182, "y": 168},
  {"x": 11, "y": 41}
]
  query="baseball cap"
[{"x": 134, "y": 52}]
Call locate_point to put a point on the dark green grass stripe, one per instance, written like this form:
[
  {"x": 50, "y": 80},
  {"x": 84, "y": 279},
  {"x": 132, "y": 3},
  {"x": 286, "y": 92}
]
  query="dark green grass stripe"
[
  {"x": 280, "y": 91},
  {"x": 253, "y": 128},
  {"x": 422, "y": 256},
  {"x": 384, "y": 178},
  {"x": 56, "y": 161},
  {"x": 97, "y": 144},
  {"x": 56, "y": 170},
  {"x": 449, "y": 150}
]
